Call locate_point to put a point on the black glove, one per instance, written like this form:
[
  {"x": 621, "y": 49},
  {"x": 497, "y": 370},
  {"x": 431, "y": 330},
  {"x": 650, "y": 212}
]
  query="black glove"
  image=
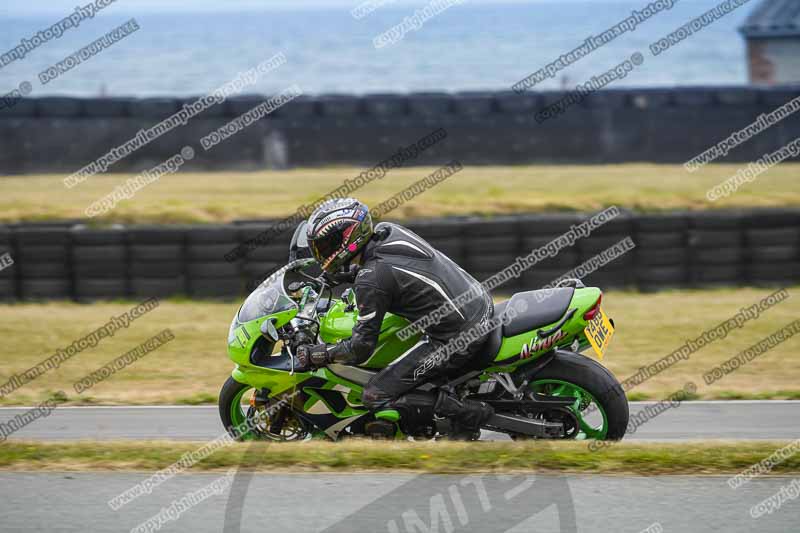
[
  {"x": 311, "y": 356},
  {"x": 343, "y": 276}
]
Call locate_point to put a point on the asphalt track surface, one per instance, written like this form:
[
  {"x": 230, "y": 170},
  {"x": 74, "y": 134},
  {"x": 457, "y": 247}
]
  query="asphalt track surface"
[
  {"x": 338, "y": 503},
  {"x": 746, "y": 420},
  {"x": 397, "y": 503}
]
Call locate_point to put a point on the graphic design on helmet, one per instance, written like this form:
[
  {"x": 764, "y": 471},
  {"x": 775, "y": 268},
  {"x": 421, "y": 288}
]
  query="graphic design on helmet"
[{"x": 337, "y": 231}]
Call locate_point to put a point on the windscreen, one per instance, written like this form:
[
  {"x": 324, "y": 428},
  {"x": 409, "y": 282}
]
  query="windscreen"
[{"x": 267, "y": 299}]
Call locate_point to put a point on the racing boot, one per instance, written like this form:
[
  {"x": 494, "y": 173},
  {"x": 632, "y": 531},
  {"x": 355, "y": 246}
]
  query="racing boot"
[{"x": 467, "y": 416}]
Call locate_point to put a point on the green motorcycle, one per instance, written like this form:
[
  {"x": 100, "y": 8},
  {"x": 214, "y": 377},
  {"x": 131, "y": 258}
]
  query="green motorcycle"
[{"x": 538, "y": 383}]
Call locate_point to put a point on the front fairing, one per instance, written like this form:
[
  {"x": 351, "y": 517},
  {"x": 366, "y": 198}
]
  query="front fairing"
[{"x": 268, "y": 301}]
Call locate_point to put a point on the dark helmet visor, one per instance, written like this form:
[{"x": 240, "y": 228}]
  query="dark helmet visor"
[{"x": 325, "y": 246}]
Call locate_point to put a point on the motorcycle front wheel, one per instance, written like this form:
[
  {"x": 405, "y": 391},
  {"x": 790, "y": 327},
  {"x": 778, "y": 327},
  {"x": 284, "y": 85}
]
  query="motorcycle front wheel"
[{"x": 272, "y": 420}]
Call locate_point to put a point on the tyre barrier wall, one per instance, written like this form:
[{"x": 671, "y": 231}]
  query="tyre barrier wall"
[
  {"x": 700, "y": 249},
  {"x": 58, "y": 134}
]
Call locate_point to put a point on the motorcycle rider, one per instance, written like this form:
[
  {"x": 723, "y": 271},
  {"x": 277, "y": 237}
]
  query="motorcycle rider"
[{"x": 397, "y": 271}]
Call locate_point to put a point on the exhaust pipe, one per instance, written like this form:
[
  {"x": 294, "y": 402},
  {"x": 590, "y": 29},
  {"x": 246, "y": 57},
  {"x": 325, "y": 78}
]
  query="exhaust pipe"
[{"x": 525, "y": 426}]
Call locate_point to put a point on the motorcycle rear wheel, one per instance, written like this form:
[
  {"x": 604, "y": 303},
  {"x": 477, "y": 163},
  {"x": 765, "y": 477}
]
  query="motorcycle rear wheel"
[{"x": 601, "y": 407}]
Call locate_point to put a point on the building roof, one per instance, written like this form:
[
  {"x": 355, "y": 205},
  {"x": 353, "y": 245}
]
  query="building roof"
[{"x": 773, "y": 18}]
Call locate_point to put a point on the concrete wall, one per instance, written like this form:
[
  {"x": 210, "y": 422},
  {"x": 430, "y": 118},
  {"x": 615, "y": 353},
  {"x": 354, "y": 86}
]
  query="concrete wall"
[{"x": 62, "y": 135}]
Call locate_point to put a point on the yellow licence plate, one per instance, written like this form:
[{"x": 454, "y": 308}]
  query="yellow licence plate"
[{"x": 599, "y": 332}]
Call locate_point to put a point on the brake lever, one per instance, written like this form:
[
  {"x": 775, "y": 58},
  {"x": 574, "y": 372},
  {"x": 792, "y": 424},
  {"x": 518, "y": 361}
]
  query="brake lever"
[{"x": 291, "y": 360}]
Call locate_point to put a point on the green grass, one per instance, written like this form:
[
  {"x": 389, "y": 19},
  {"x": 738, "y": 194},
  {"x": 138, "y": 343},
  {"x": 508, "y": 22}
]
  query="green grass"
[
  {"x": 485, "y": 190},
  {"x": 191, "y": 369},
  {"x": 201, "y": 398},
  {"x": 769, "y": 395},
  {"x": 431, "y": 457}
]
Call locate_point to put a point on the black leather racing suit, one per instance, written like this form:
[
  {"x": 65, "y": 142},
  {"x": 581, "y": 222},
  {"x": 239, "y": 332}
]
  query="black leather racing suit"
[{"x": 403, "y": 274}]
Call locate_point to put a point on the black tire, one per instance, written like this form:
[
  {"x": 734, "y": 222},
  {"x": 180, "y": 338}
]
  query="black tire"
[
  {"x": 267, "y": 233},
  {"x": 94, "y": 238},
  {"x": 8, "y": 290},
  {"x": 42, "y": 253},
  {"x": 37, "y": 236},
  {"x": 430, "y": 104},
  {"x": 100, "y": 289},
  {"x": 554, "y": 225},
  {"x": 106, "y": 107},
  {"x": 100, "y": 270},
  {"x": 45, "y": 289},
  {"x": 714, "y": 239},
  {"x": 476, "y": 104},
  {"x": 489, "y": 263},
  {"x": 773, "y": 218},
  {"x": 516, "y": 103},
  {"x": 610, "y": 278},
  {"x": 104, "y": 253},
  {"x": 156, "y": 269},
  {"x": 772, "y": 236},
  {"x": 718, "y": 256},
  {"x": 492, "y": 245},
  {"x": 563, "y": 260},
  {"x": 712, "y": 221},
  {"x": 156, "y": 252},
  {"x": 156, "y": 235},
  {"x": 267, "y": 252},
  {"x": 661, "y": 257},
  {"x": 383, "y": 105},
  {"x": 59, "y": 106},
  {"x": 208, "y": 252},
  {"x": 773, "y": 272},
  {"x": 532, "y": 242},
  {"x": 776, "y": 254},
  {"x": 154, "y": 107},
  {"x": 490, "y": 229},
  {"x": 595, "y": 379},
  {"x": 712, "y": 274},
  {"x": 621, "y": 261},
  {"x": 677, "y": 222},
  {"x": 212, "y": 235},
  {"x": 437, "y": 230},
  {"x": 675, "y": 239},
  {"x": 667, "y": 276},
  {"x": 219, "y": 269},
  {"x": 157, "y": 287},
  {"x": 594, "y": 244},
  {"x": 621, "y": 225},
  {"x": 227, "y": 395},
  {"x": 43, "y": 270},
  {"x": 215, "y": 288}
]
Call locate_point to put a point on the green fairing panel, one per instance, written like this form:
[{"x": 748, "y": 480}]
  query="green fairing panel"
[
  {"x": 351, "y": 393},
  {"x": 512, "y": 347},
  {"x": 242, "y": 339},
  {"x": 243, "y": 336},
  {"x": 337, "y": 325},
  {"x": 276, "y": 381}
]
